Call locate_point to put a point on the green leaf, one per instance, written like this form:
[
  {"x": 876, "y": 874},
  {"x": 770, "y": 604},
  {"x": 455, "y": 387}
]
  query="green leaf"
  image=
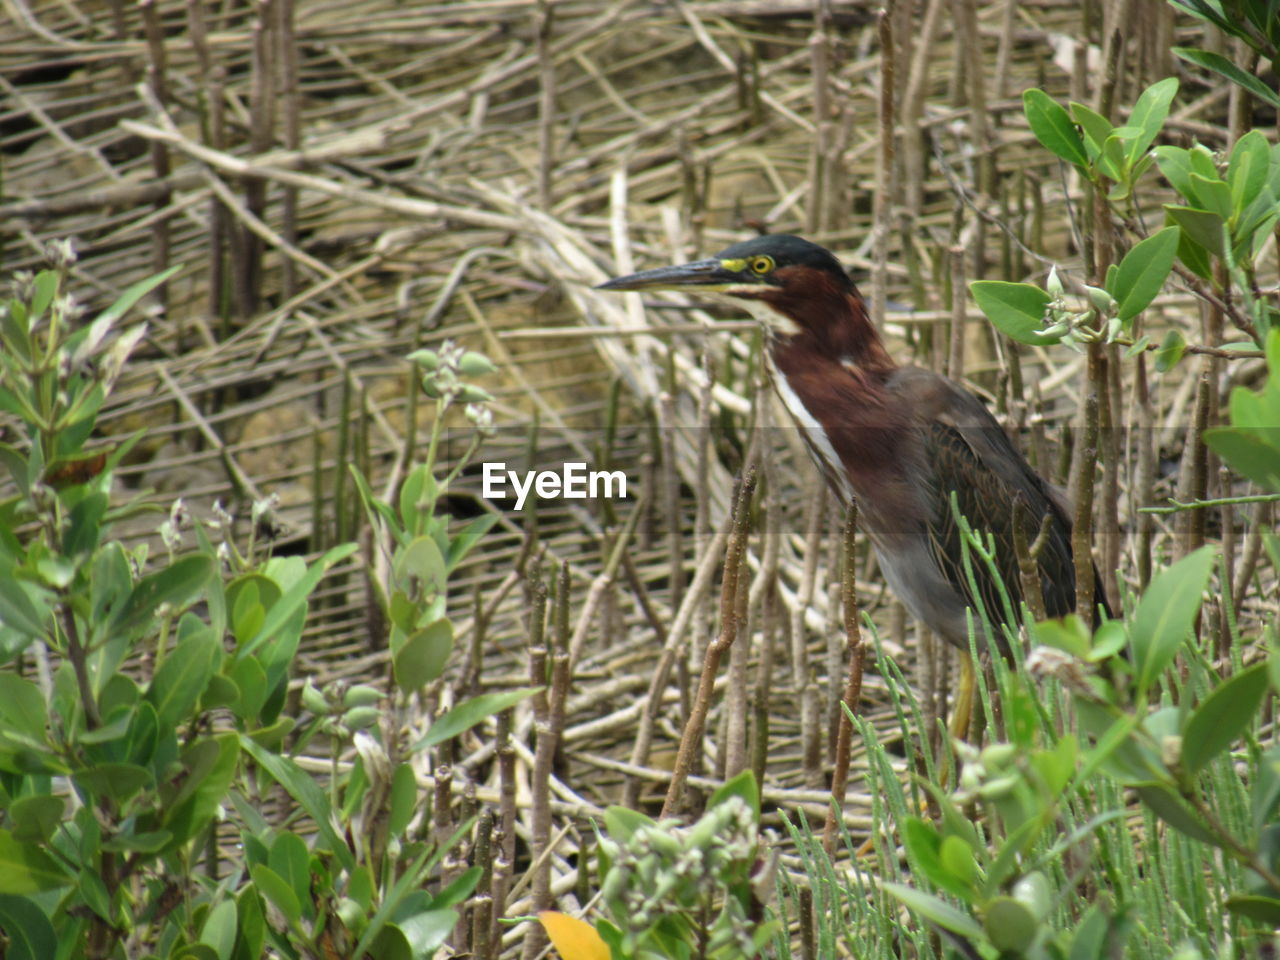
[
  {"x": 1175, "y": 165},
  {"x": 1225, "y": 68},
  {"x": 174, "y": 585},
  {"x": 1010, "y": 925},
  {"x": 1166, "y": 613},
  {"x": 248, "y": 611},
  {"x": 251, "y": 684},
  {"x": 420, "y": 560},
  {"x": 152, "y": 841},
  {"x": 404, "y": 799},
  {"x": 1090, "y": 938},
  {"x": 936, "y": 911},
  {"x": 272, "y": 886},
  {"x": 307, "y": 792},
  {"x": 1172, "y": 347},
  {"x": 1247, "y": 454},
  {"x": 84, "y": 527},
  {"x": 219, "y": 930},
  {"x": 1173, "y": 810},
  {"x": 44, "y": 290},
  {"x": 210, "y": 765},
  {"x": 924, "y": 844},
  {"x": 459, "y": 889},
  {"x": 22, "y": 606},
  {"x": 1204, "y": 227},
  {"x": 22, "y": 708},
  {"x": 470, "y": 712},
  {"x": 296, "y": 596},
  {"x": 15, "y": 328},
  {"x": 1247, "y": 169},
  {"x": 30, "y": 934},
  {"x": 1108, "y": 640},
  {"x": 423, "y": 655},
  {"x": 1214, "y": 194},
  {"x": 183, "y": 677},
  {"x": 291, "y": 861},
  {"x": 252, "y": 924},
  {"x": 1053, "y": 127},
  {"x": 94, "y": 893},
  {"x": 1265, "y": 795},
  {"x": 1095, "y": 126},
  {"x": 743, "y": 786},
  {"x": 36, "y": 816},
  {"x": 1265, "y": 910},
  {"x": 468, "y": 537},
  {"x": 622, "y": 823},
  {"x": 115, "y": 781},
  {"x": 1143, "y": 272},
  {"x": 1016, "y": 309},
  {"x": 1068, "y": 634},
  {"x": 135, "y": 293},
  {"x": 1149, "y": 114},
  {"x": 25, "y": 868},
  {"x": 426, "y": 931},
  {"x": 1222, "y": 717}
]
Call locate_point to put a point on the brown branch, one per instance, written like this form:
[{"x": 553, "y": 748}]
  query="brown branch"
[
  {"x": 853, "y": 684},
  {"x": 691, "y": 740}
]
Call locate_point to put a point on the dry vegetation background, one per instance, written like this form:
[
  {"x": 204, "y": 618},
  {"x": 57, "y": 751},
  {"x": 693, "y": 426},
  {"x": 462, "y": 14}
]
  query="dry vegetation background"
[{"x": 347, "y": 181}]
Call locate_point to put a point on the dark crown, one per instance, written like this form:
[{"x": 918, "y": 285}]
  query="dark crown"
[{"x": 787, "y": 251}]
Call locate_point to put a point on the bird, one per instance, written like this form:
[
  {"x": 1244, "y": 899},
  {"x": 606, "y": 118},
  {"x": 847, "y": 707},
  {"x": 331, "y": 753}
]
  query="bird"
[{"x": 898, "y": 439}]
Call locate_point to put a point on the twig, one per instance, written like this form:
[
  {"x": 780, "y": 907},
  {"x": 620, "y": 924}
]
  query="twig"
[
  {"x": 853, "y": 684},
  {"x": 691, "y": 740}
]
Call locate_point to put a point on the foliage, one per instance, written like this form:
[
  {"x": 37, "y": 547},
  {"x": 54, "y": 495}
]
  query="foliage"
[
  {"x": 671, "y": 892},
  {"x": 1256, "y": 22},
  {"x": 1251, "y": 445},
  {"x": 1183, "y": 743},
  {"x": 157, "y": 720},
  {"x": 415, "y": 538},
  {"x": 1227, "y": 212}
]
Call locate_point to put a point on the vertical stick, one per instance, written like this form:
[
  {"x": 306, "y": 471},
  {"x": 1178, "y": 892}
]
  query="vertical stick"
[
  {"x": 819, "y": 216},
  {"x": 853, "y": 683},
  {"x": 157, "y": 81},
  {"x": 882, "y": 201},
  {"x": 691, "y": 739},
  {"x": 1082, "y": 467},
  {"x": 292, "y": 132},
  {"x": 959, "y": 307},
  {"x": 544, "y": 752},
  {"x": 546, "y": 101}
]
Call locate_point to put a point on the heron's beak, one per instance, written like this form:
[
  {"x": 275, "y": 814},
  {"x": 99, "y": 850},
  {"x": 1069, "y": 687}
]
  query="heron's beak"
[{"x": 701, "y": 273}]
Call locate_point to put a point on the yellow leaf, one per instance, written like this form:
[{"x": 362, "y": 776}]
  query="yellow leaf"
[{"x": 575, "y": 939}]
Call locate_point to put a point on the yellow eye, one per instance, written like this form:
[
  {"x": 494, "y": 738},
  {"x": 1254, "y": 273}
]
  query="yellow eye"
[{"x": 761, "y": 265}]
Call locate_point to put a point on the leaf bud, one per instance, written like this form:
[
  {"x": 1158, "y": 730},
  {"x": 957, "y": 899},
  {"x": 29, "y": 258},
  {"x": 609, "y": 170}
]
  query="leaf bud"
[
  {"x": 473, "y": 364},
  {"x": 427, "y": 359},
  {"x": 361, "y": 695},
  {"x": 360, "y": 718},
  {"x": 314, "y": 700},
  {"x": 1101, "y": 299}
]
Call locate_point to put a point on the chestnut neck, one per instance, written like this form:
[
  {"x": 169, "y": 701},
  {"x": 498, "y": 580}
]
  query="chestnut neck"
[{"x": 837, "y": 327}]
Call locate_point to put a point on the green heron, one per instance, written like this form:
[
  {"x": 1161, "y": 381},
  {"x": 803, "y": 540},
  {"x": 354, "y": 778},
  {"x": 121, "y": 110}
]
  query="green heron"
[{"x": 900, "y": 440}]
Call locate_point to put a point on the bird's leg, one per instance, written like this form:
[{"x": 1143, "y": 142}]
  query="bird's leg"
[{"x": 962, "y": 714}]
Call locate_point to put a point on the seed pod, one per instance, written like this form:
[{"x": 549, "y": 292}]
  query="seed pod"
[
  {"x": 360, "y": 718},
  {"x": 314, "y": 700},
  {"x": 427, "y": 359},
  {"x": 361, "y": 695},
  {"x": 475, "y": 364}
]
